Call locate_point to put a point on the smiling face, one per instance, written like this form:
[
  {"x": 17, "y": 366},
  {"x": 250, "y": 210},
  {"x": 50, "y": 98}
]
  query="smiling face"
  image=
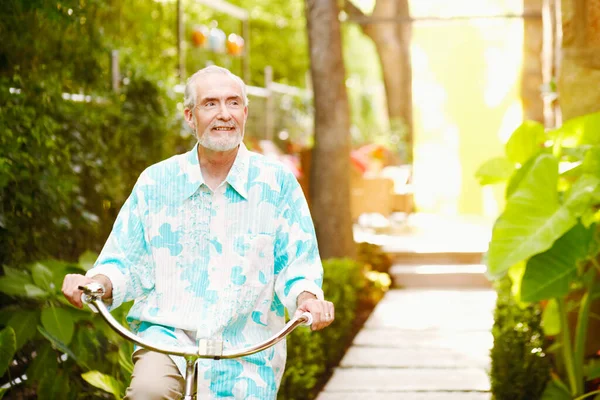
[{"x": 219, "y": 116}]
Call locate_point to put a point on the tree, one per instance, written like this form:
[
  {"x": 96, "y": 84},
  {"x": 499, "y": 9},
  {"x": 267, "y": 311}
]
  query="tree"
[
  {"x": 389, "y": 28},
  {"x": 330, "y": 179},
  {"x": 579, "y": 76}
]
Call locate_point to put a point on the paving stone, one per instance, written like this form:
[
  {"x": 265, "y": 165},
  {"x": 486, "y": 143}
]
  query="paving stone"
[
  {"x": 408, "y": 380},
  {"x": 377, "y": 357},
  {"x": 405, "y": 396},
  {"x": 479, "y": 342},
  {"x": 464, "y": 310}
]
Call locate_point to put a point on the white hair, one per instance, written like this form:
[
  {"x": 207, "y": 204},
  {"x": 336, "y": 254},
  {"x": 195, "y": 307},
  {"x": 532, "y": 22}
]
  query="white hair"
[{"x": 190, "y": 95}]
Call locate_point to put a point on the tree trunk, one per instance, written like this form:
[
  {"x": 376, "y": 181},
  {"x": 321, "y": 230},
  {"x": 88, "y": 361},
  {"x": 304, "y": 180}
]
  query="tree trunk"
[
  {"x": 330, "y": 164},
  {"x": 579, "y": 76},
  {"x": 392, "y": 41},
  {"x": 531, "y": 76}
]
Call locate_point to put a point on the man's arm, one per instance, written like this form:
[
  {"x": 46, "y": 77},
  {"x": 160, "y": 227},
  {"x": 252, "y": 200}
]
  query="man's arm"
[
  {"x": 124, "y": 265},
  {"x": 298, "y": 265}
]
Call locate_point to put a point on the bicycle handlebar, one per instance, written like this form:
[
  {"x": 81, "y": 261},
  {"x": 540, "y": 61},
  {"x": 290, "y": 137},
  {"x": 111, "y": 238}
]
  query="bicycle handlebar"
[{"x": 207, "y": 348}]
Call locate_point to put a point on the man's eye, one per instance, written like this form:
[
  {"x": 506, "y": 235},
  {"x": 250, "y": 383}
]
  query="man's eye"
[{"x": 209, "y": 104}]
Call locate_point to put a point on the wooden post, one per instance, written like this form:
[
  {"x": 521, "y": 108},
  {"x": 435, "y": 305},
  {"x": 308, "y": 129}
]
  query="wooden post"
[
  {"x": 114, "y": 70},
  {"x": 246, "y": 54},
  {"x": 269, "y": 120},
  {"x": 180, "y": 49}
]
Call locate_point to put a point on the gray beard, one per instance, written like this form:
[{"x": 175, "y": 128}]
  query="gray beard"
[{"x": 221, "y": 144}]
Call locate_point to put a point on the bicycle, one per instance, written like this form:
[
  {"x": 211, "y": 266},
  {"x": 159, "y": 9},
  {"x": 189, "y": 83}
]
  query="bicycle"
[{"x": 206, "y": 349}]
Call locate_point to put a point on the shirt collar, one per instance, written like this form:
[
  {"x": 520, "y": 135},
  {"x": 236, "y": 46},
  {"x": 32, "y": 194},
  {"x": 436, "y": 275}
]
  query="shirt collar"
[{"x": 237, "y": 177}]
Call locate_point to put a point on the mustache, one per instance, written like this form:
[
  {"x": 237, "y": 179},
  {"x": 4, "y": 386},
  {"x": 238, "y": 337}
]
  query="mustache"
[{"x": 224, "y": 125}]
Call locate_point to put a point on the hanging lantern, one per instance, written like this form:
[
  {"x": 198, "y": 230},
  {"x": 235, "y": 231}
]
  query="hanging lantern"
[
  {"x": 216, "y": 40},
  {"x": 235, "y": 44},
  {"x": 200, "y": 35}
]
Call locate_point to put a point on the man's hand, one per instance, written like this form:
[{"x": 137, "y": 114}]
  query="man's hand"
[
  {"x": 71, "y": 291},
  {"x": 322, "y": 311}
]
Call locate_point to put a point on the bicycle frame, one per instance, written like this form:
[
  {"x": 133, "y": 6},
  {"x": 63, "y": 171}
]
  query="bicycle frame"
[{"x": 206, "y": 349}]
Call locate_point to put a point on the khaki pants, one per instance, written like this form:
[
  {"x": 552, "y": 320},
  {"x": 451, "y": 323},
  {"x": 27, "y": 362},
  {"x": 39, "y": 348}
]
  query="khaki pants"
[{"x": 155, "y": 376}]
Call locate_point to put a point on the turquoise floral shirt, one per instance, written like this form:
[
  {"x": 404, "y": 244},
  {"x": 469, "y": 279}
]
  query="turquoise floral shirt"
[{"x": 221, "y": 265}]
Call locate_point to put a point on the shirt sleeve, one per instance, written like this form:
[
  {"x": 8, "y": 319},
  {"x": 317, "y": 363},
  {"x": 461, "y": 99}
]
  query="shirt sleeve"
[
  {"x": 125, "y": 258},
  {"x": 298, "y": 265}
]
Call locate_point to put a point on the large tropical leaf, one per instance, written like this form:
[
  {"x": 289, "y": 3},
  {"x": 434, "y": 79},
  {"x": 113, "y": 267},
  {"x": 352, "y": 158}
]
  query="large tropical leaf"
[
  {"x": 555, "y": 391},
  {"x": 105, "y": 382},
  {"x": 8, "y": 346},
  {"x": 550, "y": 273},
  {"x": 591, "y": 161},
  {"x": 496, "y": 170},
  {"x": 532, "y": 220},
  {"x": 551, "y": 319},
  {"x": 59, "y": 323},
  {"x": 517, "y": 177},
  {"x": 581, "y": 130},
  {"x": 526, "y": 140},
  {"x": 583, "y": 194}
]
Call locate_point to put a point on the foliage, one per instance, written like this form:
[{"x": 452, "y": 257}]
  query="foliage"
[
  {"x": 68, "y": 162},
  {"x": 520, "y": 368},
  {"x": 371, "y": 254},
  {"x": 58, "y": 347},
  {"x": 548, "y": 235},
  {"x": 313, "y": 355}
]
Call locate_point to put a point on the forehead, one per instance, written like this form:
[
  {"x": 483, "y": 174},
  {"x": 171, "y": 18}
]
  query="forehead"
[{"x": 217, "y": 85}]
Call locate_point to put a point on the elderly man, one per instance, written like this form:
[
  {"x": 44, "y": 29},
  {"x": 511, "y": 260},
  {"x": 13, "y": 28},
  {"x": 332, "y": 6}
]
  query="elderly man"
[{"x": 215, "y": 243}]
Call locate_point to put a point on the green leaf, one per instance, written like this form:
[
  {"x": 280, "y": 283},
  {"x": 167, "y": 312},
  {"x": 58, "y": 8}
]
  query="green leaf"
[
  {"x": 532, "y": 220},
  {"x": 581, "y": 130},
  {"x": 592, "y": 370},
  {"x": 517, "y": 177},
  {"x": 60, "y": 346},
  {"x": 591, "y": 161},
  {"x": 45, "y": 360},
  {"x": 42, "y": 276},
  {"x": 59, "y": 323},
  {"x": 3, "y": 392},
  {"x": 125, "y": 362},
  {"x": 24, "y": 323},
  {"x": 551, "y": 319},
  {"x": 53, "y": 385},
  {"x": 8, "y": 346},
  {"x": 582, "y": 195},
  {"x": 13, "y": 282},
  {"x": 87, "y": 260},
  {"x": 550, "y": 273},
  {"x": 495, "y": 170},
  {"x": 526, "y": 141},
  {"x": 555, "y": 391},
  {"x": 35, "y": 292},
  {"x": 105, "y": 382}
]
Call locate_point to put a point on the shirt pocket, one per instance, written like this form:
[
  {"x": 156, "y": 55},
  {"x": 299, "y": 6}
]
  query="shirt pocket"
[{"x": 251, "y": 278}]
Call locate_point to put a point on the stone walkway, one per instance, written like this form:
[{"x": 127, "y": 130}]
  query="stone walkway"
[
  {"x": 420, "y": 344},
  {"x": 427, "y": 341}
]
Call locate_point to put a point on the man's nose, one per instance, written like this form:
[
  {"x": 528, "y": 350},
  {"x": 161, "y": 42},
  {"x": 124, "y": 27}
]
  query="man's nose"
[{"x": 224, "y": 112}]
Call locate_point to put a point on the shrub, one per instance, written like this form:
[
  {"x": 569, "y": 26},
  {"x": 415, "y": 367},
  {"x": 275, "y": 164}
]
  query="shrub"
[
  {"x": 313, "y": 355},
  {"x": 520, "y": 368}
]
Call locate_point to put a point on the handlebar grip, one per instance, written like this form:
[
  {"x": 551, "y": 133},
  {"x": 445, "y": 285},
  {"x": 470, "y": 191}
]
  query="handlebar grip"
[
  {"x": 309, "y": 319},
  {"x": 91, "y": 291}
]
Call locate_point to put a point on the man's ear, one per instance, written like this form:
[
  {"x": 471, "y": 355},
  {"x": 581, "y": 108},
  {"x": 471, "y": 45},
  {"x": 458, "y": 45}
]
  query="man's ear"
[{"x": 189, "y": 117}]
